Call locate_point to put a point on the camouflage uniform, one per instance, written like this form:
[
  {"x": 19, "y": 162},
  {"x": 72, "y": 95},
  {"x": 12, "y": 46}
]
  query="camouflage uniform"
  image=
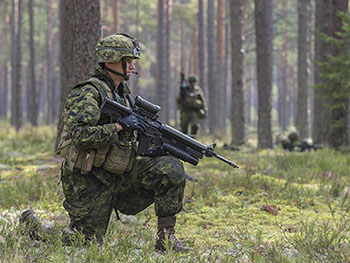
[
  {"x": 193, "y": 106},
  {"x": 101, "y": 171},
  {"x": 90, "y": 198}
]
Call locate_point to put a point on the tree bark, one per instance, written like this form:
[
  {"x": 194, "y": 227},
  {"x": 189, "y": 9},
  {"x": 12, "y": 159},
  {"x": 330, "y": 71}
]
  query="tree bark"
[
  {"x": 193, "y": 67},
  {"x": 283, "y": 98},
  {"x": 4, "y": 91},
  {"x": 116, "y": 19},
  {"x": 237, "y": 72},
  {"x": 302, "y": 117},
  {"x": 13, "y": 59},
  {"x": 49, "y": 64},
  {"x": 323, "y": 24},
  {"x": 32, "y": 94},
  {"x": 338, "y": 120},
  {"x": 212, "y": 111},
  {"x": 168, "y": 75},
  {"x": 220, "y": 88},
  {"x": 17, "y": 85},
  {"x": 201, "y": 47},
  {"x": 79, "y": 33},
  {"x": 264, "y": 47},
  {"x": 161, "y": 77},
  {"x": 4, "y": 71}
]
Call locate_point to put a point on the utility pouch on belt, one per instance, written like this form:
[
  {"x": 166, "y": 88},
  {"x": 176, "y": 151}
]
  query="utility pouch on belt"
[
  {"x": 72, "y": 157},
  {"x": 120, "y": 158},
  {"x": 100, "y": 156},
  {"x": 86, "y": 165},
  {"x": 80, "y": 159}
]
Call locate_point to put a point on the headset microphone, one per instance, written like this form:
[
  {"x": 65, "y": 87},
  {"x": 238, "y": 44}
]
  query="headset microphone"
[{"x": 135, "y": 72}]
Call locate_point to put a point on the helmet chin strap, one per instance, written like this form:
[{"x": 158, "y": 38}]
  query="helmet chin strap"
[{"x": 123, "y": 75}]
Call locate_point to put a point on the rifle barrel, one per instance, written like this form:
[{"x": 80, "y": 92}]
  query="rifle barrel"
[{"x": 232, "y": 164}]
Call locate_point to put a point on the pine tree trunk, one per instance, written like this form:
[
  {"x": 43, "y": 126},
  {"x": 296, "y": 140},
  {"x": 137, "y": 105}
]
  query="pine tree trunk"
[
  {"x": 18, "y": 89},
  {"x": 116, "y": 8},
  {"x": 323, "y": 20},
  {"x": 283, "y": 98},
  {"x": 201, "y": 57},
  {"x": 201, "y": 46},
  {"x": 237, "y": 72},
  {"x": 212, "y": 111},
  {"x": 304, "y": 28},
  {"x": 194, "y": 52},
  {"x": 32, "y": 94},
  {"x": 13, "y": 59},
  {"x": 338, "y": 130},
  {"x": 264, "y": 48},
  {"x": 219, "y": 97},
  {"x": 135, "y": 79},
  {"x": 168, "y": 75},
  {"x": 49, "y": 64},
  {"x": 161, "y": 77},
  {"x": 79, "y": 33}
]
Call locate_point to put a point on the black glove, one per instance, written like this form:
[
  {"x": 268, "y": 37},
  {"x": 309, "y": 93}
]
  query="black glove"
[{"x": 131, "y": 122}]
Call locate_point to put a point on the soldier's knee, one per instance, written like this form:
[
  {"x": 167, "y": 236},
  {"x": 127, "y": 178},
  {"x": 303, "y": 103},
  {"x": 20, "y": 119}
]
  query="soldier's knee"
[
  {"x": 173, "y": 168},
  {"x": 194, "y": 129}
]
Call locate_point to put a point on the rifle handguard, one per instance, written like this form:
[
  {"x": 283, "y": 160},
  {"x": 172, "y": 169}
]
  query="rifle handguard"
[{"x": 178, "y": 153}]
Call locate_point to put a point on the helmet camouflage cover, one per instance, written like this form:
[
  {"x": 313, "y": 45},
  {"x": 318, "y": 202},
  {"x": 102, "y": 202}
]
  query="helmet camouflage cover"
[
  {"x": 293, "y": 136},
  {"x": 192, "y": 78},
  {"x": 114, "y": 47}
]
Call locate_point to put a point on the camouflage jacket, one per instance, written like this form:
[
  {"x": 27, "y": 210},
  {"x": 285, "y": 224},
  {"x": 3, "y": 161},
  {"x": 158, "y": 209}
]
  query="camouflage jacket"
[
  {"x": 88, "y": 129},
  {"x": 192, "y": 99}
]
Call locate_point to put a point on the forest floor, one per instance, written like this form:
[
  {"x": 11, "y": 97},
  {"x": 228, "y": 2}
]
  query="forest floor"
[{"x": 279, "y": 207}]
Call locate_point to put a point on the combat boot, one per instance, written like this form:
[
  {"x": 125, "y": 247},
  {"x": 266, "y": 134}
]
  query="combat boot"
[
  {"x": 166, "y": 231},
  {"x": 32, "y": 224}
]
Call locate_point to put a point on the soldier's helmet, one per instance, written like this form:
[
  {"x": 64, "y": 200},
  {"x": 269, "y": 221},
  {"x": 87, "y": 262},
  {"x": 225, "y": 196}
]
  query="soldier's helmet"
[
  {"x": 114, "y": 47},
  {"x": 293, "y": 136},
  {"x": 192, "y": 78}
]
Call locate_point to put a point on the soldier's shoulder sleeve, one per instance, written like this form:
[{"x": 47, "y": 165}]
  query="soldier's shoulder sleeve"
[
  {"x": 202, "y": 97},
  {"x": 83, "y": 116}
]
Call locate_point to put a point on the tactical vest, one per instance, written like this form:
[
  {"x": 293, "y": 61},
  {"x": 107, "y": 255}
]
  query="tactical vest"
[
  {"x": 192, "y": 99},
  {"x": 116, "y": 158}
]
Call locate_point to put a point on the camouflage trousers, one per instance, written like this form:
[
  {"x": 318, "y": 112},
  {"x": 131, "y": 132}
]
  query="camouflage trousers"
[
  {"x": 91, "y": 198},
  {"x": 189, "y": 118}
]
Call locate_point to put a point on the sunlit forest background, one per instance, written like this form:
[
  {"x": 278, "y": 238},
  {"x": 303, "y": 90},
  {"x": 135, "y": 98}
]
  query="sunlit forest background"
[
  {"x": 258, "y": 65},
  {"x": 266, "y": 67}
]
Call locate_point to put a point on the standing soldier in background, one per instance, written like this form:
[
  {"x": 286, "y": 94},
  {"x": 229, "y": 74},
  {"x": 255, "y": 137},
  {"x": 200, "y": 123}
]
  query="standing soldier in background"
[{"x": 192, "y": 104}]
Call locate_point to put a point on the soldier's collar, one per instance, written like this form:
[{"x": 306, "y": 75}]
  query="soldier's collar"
[{"x": 100, "y": 71}]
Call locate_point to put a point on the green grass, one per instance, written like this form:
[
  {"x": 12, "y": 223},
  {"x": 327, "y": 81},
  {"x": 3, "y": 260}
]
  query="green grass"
[{"x": 224, "y": 217}]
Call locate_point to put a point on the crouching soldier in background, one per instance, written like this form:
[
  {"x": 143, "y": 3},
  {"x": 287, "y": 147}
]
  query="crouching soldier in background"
[
  {"x": 101, "y": 171},
  {"x": 291, "y": 141},
  {"x": 193, "y": 106}
]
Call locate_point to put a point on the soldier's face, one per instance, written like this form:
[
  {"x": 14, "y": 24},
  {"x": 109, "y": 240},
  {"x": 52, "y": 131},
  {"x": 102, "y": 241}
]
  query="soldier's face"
[{"x": 130, "y": 66}]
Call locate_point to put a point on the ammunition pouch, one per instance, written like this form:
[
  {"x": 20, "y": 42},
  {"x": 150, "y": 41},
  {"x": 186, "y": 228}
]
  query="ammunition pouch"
[
  {"x": 116, "y": 159},
  {"x": 120, "y": 157}
]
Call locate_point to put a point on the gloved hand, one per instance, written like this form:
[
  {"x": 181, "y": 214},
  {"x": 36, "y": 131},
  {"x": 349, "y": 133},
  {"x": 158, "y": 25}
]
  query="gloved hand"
[{"x": 131, "y": 122}]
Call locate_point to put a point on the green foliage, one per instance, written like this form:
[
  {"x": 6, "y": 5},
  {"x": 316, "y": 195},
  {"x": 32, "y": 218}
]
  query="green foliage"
[
  {"x": 280, "y": 207},
  {"x": 336, "y": 70}
]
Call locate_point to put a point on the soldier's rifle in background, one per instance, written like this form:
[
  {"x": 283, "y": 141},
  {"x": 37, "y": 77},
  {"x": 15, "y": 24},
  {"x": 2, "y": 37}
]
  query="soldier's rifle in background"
[
  {"x": 159, "y": 138},
  {"x": 304, "y": 145},
  {"x": 183, "y": 87}
]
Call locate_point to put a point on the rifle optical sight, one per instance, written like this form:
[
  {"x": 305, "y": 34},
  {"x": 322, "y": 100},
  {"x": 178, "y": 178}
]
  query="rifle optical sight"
[{"x": 148, "y": 106}]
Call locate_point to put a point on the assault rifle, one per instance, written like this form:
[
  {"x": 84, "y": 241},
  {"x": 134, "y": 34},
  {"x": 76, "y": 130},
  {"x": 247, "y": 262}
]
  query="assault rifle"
[
  {"x": 183, "y": 87},
  {"x": 159, "y": 138},
  {"x": 304, "y": 145}
]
